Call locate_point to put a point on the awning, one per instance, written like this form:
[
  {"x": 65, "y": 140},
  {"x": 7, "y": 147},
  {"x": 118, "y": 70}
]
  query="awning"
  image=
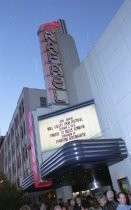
[
  {"x": 80, "y": 152},
  {"x": 89, "y": 152}
]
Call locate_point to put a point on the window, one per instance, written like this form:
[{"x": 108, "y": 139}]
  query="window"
[
  {"x": 42, "y": 101},
  {"x": 16, "y": 122},
  {"x": 24, "y": 130},
  {"x": 26, "y": 173},
  {"x": 9, "y": 174},
  {"x": 12, "y": 132},
  {"x": 9, "y": 156},
  {"x": 18, "y": 183},
  {"x": 23, "y": 154},
  {"x": 22, "y": 106},
  {"x": 21, "y": 109},
  {"x": 21, "y": 132},
  {"x": 14, "y": 167},
  {"x": 5, "y": 162},
  {"x": 17, "y": 140},
  {"x": 18, "y": 162},
  {"x": 26, "y": 153},
  {"x": 13, "y": 149}
]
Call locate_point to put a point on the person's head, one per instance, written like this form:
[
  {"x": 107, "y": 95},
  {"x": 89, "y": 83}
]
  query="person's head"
[
  {"x": 72, "y": 202},
  {"x": 78, "y": 200},
  {"x": 129, "y": 197},
  {"x": 93, "y": 202},
  {"x": 57, "y": 207},
  {"x": 121, "y": 198},
  {"x": 102, "y": 200},
  {"x": 110, "y": 195}
]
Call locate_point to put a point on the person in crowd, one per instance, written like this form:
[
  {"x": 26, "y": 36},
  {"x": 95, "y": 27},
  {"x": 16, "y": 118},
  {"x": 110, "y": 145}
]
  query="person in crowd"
[
  {"x": 102, "y": 200},
  {"x": 71, "y": 204},
  {"x": 43, "y": 206},
  {"x": 129, "y": 198},
  {"x": 57, "y": 207},
  {"x": 110, "y": 195},
  {"x": 93, "y": 203},
  {"x": 61, "y": 203},
  {"x": 121, "y": 197},
  {"x": 25, "y": 207},
  {"x": 111, "y": 203},
  {"x": 35, "y": 206},
  {"x": 78, "y": 203},
  {"x": 87, "y": 203}
]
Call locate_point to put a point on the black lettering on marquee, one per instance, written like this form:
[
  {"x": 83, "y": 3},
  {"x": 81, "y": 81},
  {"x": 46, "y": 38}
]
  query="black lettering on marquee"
[
  {"x": 49, "y": 36},
  {"x": 57, "y": 82},
  {"x": 52, "y": 47},
  {"x": 57, "y": 100},
  {"x": 49, "y": 128},
  {"x": 55, "y": 70},
  {"x": 50, "y": 52}
]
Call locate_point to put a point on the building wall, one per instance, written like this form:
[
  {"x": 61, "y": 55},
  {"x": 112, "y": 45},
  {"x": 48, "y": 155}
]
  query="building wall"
[
  {"x": 108, "y": 68},
  {"x": 16, "y": 146},
  {"x": 82, "y": 84},
  {"x": 70, "y": 59}
]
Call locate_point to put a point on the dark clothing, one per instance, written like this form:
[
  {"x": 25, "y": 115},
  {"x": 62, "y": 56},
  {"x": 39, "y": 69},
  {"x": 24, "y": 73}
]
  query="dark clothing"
[
  {"x": 110, "y": 205},
  {"x": 77, "y": 207}
]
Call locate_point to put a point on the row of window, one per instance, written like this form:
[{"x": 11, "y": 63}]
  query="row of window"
[
  {"x": 17, "y": 163},
  {"x": 17, "y": 119},
  {"x": 24, "y": 155},
  {"x": 15, "y": 141},
  {"x": 18, "y": 130}
]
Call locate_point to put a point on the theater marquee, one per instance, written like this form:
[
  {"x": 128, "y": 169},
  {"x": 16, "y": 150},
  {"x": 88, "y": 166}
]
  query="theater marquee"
[{"x": 80, "y": 123}]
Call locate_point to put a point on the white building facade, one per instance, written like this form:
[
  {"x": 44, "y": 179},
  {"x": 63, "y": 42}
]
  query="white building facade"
[{"x": 106, "y": 77}]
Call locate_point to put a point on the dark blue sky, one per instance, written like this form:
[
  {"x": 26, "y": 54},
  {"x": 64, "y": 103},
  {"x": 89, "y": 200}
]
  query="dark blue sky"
[{"x": 20, "y": 60}]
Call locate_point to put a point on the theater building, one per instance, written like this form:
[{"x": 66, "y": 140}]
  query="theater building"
[
  {"x": 81, "y": 140},
  {"x": 84, "y": 134}
]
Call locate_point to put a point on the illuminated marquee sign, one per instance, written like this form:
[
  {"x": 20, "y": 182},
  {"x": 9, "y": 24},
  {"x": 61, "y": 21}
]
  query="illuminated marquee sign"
[
  {"x": 52, "y": 63},
  {"x": 80, "y": 123}
]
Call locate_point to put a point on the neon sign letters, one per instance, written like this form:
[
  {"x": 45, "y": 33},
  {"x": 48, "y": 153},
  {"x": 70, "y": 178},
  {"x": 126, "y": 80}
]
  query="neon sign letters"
[{"x": 52, "y": 63}]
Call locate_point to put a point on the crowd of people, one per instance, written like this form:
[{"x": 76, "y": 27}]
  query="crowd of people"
[
  {"x": 108, "y": 201},
  {"x": 101, "y": 201}
]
